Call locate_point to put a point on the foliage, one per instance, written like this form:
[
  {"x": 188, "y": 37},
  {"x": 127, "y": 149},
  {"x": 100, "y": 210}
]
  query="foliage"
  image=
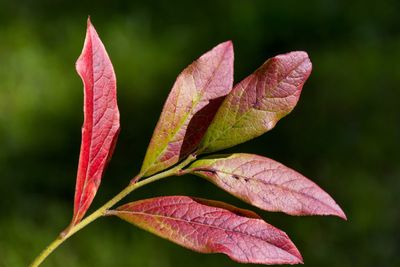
[{"x": 202, "y": 114}]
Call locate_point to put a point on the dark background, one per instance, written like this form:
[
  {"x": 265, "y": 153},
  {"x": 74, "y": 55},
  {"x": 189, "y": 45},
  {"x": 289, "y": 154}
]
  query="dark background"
[{"x": 344, "y": 133}]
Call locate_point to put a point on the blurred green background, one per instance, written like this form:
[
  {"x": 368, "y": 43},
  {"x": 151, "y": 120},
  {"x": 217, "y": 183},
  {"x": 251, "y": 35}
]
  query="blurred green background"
[{"x": 344, "y": 133}]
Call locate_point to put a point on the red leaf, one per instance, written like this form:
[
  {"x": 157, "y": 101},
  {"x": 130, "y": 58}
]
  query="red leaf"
[
  {"x": 266, "y": 184},
  {"x": 190, "y": 108},
  {"x": 101, "y": 120},
  {"x": 257, "y": 103},
  {"x": 212, "y": 227}
]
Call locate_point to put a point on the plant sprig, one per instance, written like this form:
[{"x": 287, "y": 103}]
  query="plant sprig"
[{"x": 203, "y": 113}]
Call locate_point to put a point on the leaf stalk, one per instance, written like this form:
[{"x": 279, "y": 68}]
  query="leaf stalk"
[{"x": 102, "y": 211}]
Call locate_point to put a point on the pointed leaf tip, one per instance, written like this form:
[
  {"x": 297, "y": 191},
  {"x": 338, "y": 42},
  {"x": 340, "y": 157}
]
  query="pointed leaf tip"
[
  {"x": 258, "y": 102},
  {"x": 101, "y": 120},
  {"x": 266, "y": 184},
  {"x": 212, "y": 227},
  {"x": 190, "y": 107}
]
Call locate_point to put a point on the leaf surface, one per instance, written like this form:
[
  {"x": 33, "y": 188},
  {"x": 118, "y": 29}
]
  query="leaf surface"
[
  {"x": 258, "y": 102},
  {"x": 101, "y": 120},
  {"x": 190, "y": 108},
  {"x": 266, "y": 184},
  {"x": 212, "y": 227}
]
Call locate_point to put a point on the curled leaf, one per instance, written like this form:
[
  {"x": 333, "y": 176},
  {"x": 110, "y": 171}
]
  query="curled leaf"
[
  {"x": 212, "y": 227},
  {"x": 266, "y": 184},
  {"x": 258, "y": 102},
  {"x": 190, "y": 108},
  {"x": 101, "y": 120}
]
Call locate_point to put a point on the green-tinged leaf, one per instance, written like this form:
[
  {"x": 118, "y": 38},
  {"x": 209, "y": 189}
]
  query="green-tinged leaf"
[
  {"x": 258, "y": 102},
  {"x": 190, "y": 108},
  {"x": 212, "y": 227},
  {"x": 266, "y": 184}
]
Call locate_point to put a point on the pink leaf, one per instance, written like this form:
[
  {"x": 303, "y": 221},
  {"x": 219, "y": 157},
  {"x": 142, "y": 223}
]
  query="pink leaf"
[
  {"x": 258, "y": 102},
  {"x": 189, "y": 109},
  {"x": 101, "y": 120},
  {"x": 212, "y": 227},
  {"x": 266, "y": 184}
]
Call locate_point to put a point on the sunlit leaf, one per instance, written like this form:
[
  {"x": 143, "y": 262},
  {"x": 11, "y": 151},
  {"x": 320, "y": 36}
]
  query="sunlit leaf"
[
  {"x": 266, "y": 184},
  {"x": 189, "y": 109},
  {"x": 101, "y": 120},
  {"x": 212, "y": 227},
  {"x": 258, "y": 102}
]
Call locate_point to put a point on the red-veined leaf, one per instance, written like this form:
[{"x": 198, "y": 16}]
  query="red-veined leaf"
[
  {"x": 266, "y": 184},
  {"x": 258, "y": 102},
  {"x": 212, "y": 227},
  {"x": 101, "y": 120},
  {"x": 189, "y": 109}
]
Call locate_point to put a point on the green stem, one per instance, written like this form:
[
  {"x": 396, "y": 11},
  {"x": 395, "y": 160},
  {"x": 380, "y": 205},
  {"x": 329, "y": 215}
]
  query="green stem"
[{"x": 103, "y": 209}]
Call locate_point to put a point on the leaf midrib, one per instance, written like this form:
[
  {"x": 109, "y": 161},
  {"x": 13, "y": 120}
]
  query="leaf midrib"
[
  {"x": 284, "y": 188},
  {"x": 251, "y": 108},
  {"x": 210, "y": 226},
  {"x": 185, "y": 118}
]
